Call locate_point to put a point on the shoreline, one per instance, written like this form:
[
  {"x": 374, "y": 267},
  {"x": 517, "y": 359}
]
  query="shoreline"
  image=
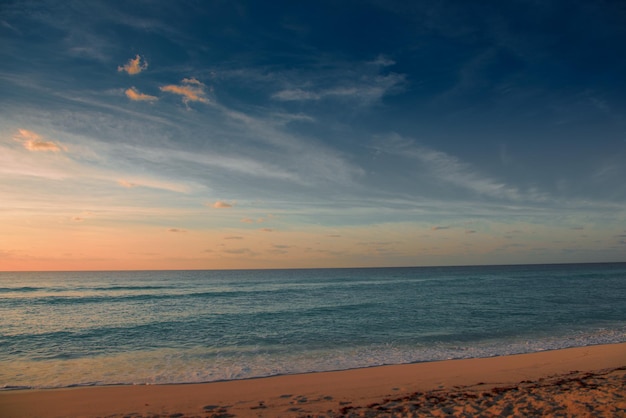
[{"x": 333, "y": 393}]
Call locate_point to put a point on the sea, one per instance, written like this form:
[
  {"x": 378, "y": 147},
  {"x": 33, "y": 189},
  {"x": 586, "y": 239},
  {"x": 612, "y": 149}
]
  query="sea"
[{"x": 68, "y": 329}]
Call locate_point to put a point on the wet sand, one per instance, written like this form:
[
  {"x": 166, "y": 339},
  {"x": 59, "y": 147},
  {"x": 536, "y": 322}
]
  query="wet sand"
[{"x": 587, "y": 381}]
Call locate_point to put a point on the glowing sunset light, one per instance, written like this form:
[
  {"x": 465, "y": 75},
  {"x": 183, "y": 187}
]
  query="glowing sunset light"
[{"x": 258, "y": 136}]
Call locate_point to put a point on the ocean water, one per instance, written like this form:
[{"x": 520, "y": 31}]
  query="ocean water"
[{"x": 60, "y": 329}]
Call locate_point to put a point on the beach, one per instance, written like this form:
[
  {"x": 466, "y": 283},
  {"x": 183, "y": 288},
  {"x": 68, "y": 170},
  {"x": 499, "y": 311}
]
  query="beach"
[{"x": 583, "y": 381}]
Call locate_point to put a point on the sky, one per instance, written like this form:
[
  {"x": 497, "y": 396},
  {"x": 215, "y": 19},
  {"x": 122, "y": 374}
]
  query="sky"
[{"x": 279, "y": 134}]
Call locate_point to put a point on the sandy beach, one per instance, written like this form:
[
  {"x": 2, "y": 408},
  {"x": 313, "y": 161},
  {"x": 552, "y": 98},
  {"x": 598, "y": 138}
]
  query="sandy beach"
[{"x": 587, "y": 381}]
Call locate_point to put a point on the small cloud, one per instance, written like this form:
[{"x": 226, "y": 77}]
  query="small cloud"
[
  {"x": 77, "y": 219},
  {"x": 192, "y": 80},
  {"x": 578, "y": 228},
  {"x": 222, "y": 205},
  {"x": 35, "y": 142},
  {"x": 383, "y": 61},
  {"x": 470, "y": 231},
  {"x": 176, "y": 230},
  {"x": 438, "y": 228},
  {"x": 334, "y": 236},
  {"x": 233, "y": 237},
  {"x": 133, "y": 66},
  {"x": 247, "y": 221},
  {"x": 280, "y": 249},
  {"x": 266, "y": 219},
  {"x": 133, "y": 94},
  {"x": 191, "y": 89},
  {"x": 266, "y": 230},
  {"x": 295, "y": 95},
  {"x": 127, "y": 184},
  {"x": 240, "y": 251}
]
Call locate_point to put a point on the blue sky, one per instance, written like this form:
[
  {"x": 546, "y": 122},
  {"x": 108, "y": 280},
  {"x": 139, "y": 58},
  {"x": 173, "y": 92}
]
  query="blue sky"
[{"x": 192, "y": 134}]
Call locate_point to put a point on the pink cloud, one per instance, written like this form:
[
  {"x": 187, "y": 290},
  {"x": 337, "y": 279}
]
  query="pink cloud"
[
  {"x": 133, "y": 94},
  {"x": 222, "y": 205},
  {"x": 127, "y": 184},
  {"x": 191, "y": 89},
  {"x": 438, "y": 228},
  {"x": 133, "y": 66},
  {"x": 35, "y": 142}
]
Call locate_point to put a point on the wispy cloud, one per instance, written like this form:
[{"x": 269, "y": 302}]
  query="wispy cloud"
[
  {"x": 367, "y": 90},
  {"x": 443, "y": 167},
  {"x": 240, "y": 251},
  {"x": 127, "y": 184},
  {"x": 383, "y": 61},
  {"x": 439, "y": 228},
  {"x": 191, "y": 89},
  {"x": 133, "y": 66},
  {"x": 454, "y": 171},
  {"x": 133, "y": 94},
  {"x": 154, "y": 183},
  {"x": 365, "y": 82},
  {"x": 295, "y": 95},
  {"x": 222, "y": 205},
  {"x": 35, "y": 142}
]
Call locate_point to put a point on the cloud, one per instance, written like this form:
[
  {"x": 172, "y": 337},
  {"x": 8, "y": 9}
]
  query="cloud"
[
  {"x": 233, "y": 237},
  {"x": 365, "y": 83},
  {"x": 439, "y": 228},
  {"x": 155, "y": 184},
  {"x": 450, "y": 169},
  {"x": 222, "y": 205},
  {"x": 247, "y": 221},
  {"x": 295, "y": 95},
  {"x": 470, "y": 231},
  {"x": 281, "y": 246},
  {"x": 240, "y": 251},
  {"x": 175, "y": 230},
  {"x": 266, "y": 230},
  {"x": 192, "y": 81},
  {"x": 127, "y": 184},
  {"x": 383, "y": 61},
  {"x": 35, "y": 142},
  {"x": 133, "y": 94},
  {"x": 191, "y": 89},
  {"x": 368, "y": 90},
  {"x": 133, "y": 66}
]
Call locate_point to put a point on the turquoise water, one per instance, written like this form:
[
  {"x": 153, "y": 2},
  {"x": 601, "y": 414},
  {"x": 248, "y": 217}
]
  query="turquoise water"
[{"x": 61, "y": 329}]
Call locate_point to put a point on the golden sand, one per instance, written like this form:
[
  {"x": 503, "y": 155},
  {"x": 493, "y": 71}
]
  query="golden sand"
[{"x": 587, "y": 381}]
